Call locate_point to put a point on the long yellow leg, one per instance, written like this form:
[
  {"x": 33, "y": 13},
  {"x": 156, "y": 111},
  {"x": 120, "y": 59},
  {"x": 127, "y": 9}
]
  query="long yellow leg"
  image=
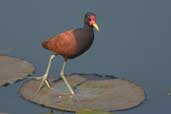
[
  {"x": 44, "y": 78},
  {"x": 65, "y": 80}
]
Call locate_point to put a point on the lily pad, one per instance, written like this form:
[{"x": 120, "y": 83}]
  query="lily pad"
[
  {"x": 169, "y": 93},
  {"x": 87, "y": 111},
  {"x": 13, "y": 69},
  {"x": 92, "y": 92}
]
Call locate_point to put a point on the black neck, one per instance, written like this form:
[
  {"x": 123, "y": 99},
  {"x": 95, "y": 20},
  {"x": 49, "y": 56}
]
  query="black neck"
[{"x": 87, "y": 27}]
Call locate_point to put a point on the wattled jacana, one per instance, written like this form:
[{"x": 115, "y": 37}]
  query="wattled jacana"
[{"x": 70, "y": 44}]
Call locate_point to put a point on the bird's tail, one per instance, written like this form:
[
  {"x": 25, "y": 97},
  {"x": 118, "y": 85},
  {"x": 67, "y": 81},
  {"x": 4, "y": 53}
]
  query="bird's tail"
[{"x": 45, "y": 44}]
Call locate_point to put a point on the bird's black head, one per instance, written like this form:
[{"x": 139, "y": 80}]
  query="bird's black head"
[{"x": 90, "y": 20}]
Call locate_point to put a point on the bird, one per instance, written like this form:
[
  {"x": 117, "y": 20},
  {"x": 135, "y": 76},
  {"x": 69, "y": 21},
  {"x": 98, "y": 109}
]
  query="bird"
[{"x": 69, "y": 44}]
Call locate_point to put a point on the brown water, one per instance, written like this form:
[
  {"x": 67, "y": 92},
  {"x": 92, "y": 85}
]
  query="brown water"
[{"x": 133, "y": 42}]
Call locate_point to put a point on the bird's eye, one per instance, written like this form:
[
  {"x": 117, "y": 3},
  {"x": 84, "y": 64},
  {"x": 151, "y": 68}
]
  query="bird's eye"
[{"x": 89, "y": 17}]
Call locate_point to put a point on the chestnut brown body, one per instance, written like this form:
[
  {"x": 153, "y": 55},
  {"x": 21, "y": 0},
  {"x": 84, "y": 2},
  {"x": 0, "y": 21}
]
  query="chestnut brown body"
[{"x": 71, "y": 43}]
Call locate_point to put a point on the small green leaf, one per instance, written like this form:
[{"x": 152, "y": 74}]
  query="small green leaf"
[{"x": 88, "y": 111}]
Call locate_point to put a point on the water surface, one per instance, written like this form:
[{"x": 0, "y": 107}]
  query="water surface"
[{"x": 133, "y": 42}]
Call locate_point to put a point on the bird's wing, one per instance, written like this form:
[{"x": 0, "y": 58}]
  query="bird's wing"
[{"x": 63, "y": 43}]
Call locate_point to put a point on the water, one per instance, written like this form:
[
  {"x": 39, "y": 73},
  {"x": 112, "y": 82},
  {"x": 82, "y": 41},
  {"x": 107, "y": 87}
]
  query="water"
[{"x": 133, "y": 42}]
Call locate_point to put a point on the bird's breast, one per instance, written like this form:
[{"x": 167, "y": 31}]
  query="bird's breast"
[{"x": 84, "y": 41}]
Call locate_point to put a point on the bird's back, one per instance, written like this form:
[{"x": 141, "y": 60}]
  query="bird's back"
[{"x": 71, "y": 43}]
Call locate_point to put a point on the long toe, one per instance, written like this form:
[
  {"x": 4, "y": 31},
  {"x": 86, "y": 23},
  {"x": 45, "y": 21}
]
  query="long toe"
[
  {"x": 40, "y": 86},
  {"x": 49, "y": 84},
  {"x": 37, "y": 78}
]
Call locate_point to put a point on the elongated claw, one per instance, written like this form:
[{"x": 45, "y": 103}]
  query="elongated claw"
[
  {"x": 47, "y": 82},
  {"x": 44, "y": 78},
  {"x": 43, "y": 81},
  {"x": 36, "y": 78}
]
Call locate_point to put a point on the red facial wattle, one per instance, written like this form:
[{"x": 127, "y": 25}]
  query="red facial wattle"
[
  {"x": 93, "y": 23},
  {"x": 92, "y": 20}
]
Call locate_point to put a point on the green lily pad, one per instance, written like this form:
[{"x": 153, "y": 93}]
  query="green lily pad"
[
  {"x": 87, "y": 111},
  {"x": 92, "y": 92},
  {"x": 13, "y": 69},
  {"x": 169, "y": 93}
]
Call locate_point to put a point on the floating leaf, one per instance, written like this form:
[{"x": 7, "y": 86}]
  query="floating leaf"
[
  {"x": 87, "y": 111},
  {"x": 92, "y": 92},
  {"x": 13, "y": 69}
]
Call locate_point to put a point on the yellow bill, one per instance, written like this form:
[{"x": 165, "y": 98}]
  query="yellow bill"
[{"x": 96, "y": 26}]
